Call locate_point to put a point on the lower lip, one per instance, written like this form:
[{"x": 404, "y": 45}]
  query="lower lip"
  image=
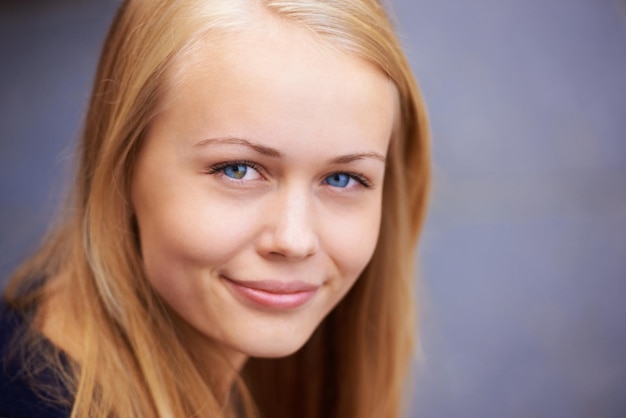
[{"x": 271, "y": 300}]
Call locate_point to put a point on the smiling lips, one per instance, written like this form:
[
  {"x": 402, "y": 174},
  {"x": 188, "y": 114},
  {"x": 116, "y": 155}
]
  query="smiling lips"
[{"x": 273, "y": 294}]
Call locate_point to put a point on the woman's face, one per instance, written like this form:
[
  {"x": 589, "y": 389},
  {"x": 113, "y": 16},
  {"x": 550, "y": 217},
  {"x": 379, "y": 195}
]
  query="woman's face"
[{"x": 258, "y": 190}]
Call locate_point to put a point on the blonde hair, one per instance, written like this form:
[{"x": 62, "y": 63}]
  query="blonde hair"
[{"x": 136, "y": 358}]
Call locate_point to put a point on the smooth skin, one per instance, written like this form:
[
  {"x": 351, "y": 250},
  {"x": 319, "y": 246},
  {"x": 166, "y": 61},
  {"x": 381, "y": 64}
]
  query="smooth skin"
[{"x": 267, "y": 164}]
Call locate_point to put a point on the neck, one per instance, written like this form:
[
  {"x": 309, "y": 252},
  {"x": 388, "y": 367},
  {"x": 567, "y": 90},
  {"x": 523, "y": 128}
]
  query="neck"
[{"x": 223, "y": 362}]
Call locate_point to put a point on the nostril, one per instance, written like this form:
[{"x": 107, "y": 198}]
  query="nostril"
[
  {"x": 294, "y": 244},
  {"x": 290, "y": 231},
  {"x": 289, "y": 240}
]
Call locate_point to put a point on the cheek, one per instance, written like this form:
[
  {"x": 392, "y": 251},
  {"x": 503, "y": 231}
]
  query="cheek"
[
  {"x": 351, "y": 242},
  {"x": 185, "y": 232}
]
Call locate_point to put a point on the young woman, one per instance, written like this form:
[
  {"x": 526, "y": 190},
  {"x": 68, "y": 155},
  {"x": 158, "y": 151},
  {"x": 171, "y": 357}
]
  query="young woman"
[{"x": 252, "y": 180}]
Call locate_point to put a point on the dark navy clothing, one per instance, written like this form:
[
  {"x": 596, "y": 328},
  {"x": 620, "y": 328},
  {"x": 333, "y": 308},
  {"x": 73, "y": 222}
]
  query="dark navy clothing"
[{"x": 17, "y": 398}]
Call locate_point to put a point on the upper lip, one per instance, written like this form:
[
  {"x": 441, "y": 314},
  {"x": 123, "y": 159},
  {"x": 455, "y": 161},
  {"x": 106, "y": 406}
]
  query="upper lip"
[{"x": 276, "y": 286}]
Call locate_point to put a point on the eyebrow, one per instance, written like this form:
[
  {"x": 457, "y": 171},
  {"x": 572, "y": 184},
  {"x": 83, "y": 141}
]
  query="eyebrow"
[
  {"x": 261, "y": 149},
  {"x": 344, "y": 159},
  {"x": 274, "y": 153}
]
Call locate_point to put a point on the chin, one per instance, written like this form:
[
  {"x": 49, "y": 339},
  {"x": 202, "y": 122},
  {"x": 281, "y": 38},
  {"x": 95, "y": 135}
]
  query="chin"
[{"x": 271, "y": 347}]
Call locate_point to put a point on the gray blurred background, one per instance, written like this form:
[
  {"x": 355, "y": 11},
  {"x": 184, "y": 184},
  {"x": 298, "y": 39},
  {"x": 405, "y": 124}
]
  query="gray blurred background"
[{"x": 523, "y": 261}]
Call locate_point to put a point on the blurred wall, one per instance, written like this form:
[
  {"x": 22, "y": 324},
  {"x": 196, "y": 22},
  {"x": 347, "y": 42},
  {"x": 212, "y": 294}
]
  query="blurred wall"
[
  {"x": 524, "y": 256},
  {"x": 523, "y": 261}
]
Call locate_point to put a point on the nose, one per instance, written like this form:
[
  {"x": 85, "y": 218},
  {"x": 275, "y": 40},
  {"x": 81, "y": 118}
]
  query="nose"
[{"x": 290, "y": 229}]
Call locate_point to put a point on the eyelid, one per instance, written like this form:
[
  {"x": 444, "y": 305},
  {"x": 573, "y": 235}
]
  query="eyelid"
[{"x": 215, "y": 168}]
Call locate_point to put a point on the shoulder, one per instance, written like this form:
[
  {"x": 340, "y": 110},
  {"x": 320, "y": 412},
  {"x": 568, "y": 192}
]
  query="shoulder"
[{"x": 17, "y": 398}]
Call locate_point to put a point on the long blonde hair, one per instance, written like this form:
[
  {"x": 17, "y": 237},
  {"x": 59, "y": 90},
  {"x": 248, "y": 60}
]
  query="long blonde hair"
[{"x": 137, "y": 357}]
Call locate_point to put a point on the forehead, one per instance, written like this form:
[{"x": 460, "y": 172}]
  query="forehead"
[
  {"x": 276, "y": 70},
  {"x": 259, "y": 37}
]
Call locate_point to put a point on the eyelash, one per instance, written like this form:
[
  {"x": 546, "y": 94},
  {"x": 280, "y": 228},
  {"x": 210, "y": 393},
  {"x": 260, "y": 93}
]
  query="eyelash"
[
  {"x": 214, "y": 169},
  {"x": 217, "y": 168}
]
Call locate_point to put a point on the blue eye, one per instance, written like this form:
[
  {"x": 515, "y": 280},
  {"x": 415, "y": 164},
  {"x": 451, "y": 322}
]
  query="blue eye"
[
  {"x": 235, "y": 171},
  {"x": 338, "y": 180}
]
